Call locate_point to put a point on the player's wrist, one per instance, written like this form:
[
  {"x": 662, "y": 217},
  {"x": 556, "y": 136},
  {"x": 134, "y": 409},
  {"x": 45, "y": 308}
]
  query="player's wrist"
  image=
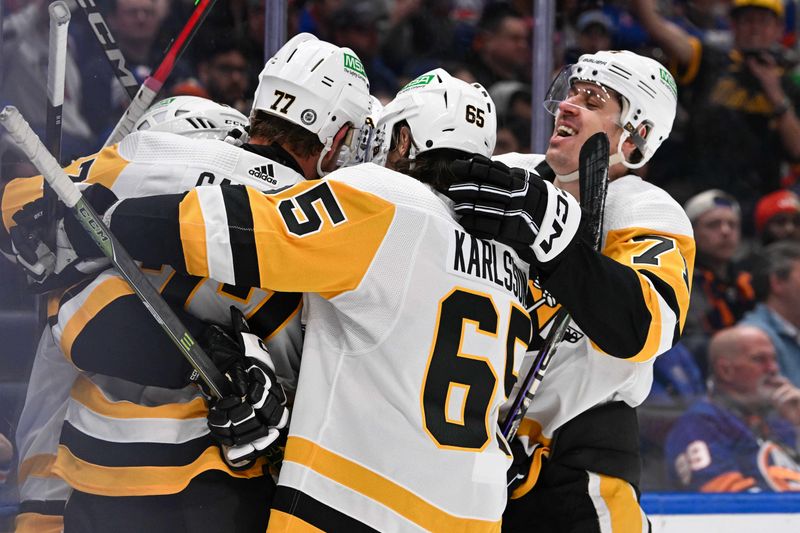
[{"x": 781, "y": 109}]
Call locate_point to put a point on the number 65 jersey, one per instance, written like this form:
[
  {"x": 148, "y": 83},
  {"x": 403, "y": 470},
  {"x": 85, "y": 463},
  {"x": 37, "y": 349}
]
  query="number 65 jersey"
[{"x": 414, "y": 334}]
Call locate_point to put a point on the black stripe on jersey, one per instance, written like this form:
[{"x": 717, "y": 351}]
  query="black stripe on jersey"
[
  {"x": 123, "y": 340},
  {"x": 236, "y": 291},
  {"x": 178, "y": 289},
  {"x": 668, "y": 293},
  {"x": 276, "y": 311},
  {"x": 137, "y": 220},
  {"x": 293, "y": 502},
  {"x": 73, "y": 291},
  {"x": 604, "y": 298},
  {"x": 43, "y": 507},
  {"x": 240, "y": 229},
  {"x": 114, "y": 454}
]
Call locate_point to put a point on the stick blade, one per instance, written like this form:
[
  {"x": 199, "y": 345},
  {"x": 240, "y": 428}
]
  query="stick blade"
[{"x": 593, "y": 176}]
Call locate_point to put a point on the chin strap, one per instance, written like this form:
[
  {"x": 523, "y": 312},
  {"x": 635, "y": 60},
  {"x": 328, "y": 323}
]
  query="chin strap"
[
  {"x": 325, "y": 150},
  {"x": 572, "y": 176}
]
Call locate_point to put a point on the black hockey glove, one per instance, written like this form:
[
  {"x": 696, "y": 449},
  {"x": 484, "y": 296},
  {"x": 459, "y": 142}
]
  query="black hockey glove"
[
  {"x": 50, "y": 261},
  {"x": 251, "y": 418},
  {"x": 520, "y": 467},
  {"x": 513, "y": 207}
]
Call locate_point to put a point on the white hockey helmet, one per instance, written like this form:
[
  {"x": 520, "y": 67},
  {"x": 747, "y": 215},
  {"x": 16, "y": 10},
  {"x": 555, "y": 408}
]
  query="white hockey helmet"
[
  {"x": 318, "y": 86},
  {"x": 648, "y": 91},
  {"x": 191, "y": 116},
  {"x": 441, "y": 112}
]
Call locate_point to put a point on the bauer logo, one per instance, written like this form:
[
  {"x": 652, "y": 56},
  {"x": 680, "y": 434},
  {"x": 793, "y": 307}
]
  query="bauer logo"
[
  {"x": 264, "y": 173},
  {"x": 425, "y": 79},
  {"x": 353, "y": 63},
  {"x": 669, "y": 81}
]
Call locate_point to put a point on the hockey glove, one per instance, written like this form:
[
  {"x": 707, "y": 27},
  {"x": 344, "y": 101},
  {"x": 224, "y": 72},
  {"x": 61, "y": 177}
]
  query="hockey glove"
[
  {"x": 251, "y": 418},
  {"x": 51, "y": 261},
  {"x": 514, "y": 207}
]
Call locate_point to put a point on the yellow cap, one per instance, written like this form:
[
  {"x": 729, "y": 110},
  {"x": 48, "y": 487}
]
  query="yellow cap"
[{"x": 776, "y": 6}]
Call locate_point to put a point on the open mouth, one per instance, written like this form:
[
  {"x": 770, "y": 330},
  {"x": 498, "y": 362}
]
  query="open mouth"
[{"x": 565, "y": 131}]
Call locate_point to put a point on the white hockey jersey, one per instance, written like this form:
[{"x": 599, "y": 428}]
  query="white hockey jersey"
[
  {"x": 414, "y": 333},
  {"x": 646, "y": 230},
  {"x": 144, "y": 163}
]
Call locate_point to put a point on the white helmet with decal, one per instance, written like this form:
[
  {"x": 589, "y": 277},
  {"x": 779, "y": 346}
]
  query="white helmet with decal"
[
  {"x": 441, "y": 112},
  {"x": 648, "y": 91},
  {"x": 316, "y": 85},
  {"x": 191, "y": 116}
]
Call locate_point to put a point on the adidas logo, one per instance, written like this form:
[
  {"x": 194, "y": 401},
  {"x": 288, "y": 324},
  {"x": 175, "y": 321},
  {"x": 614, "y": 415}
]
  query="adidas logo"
[{"x": 265, "y": 173}]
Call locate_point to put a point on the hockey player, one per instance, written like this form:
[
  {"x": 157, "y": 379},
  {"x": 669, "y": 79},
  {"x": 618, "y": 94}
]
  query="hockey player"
[
  {"x": 414, "y": 328},
  {"x": 628, "y": 303},
  {"x": 86, "y": 448},
  {"x": 300, "y": 143}
]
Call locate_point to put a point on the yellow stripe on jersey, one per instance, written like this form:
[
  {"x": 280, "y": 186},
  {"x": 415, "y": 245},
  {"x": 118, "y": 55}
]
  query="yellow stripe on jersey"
[
  {"x": 620, "y": 499},
  {"x": 670, "y": 257},
  {"x": 193, "y": 235},
  {"x": 16, "y": 194},
  {"x": 280, "y": 521},
  {"x": 90, "y": 395},
  {"x": 39, "y": 523},
  {"x": 141, "y": 480},
  {"x": 330, "y": 260},
  {"x": 380, "y": 489},
  {"x": 103, "y": 167},
  {"x": 103, "y": 294},
  {"x": 39, "y": 465}
]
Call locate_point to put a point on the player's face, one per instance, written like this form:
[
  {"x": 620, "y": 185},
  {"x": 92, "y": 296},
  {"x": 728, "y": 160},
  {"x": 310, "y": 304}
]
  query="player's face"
[
  {"x": 588, "y": 109},
  {"x": 716, "y": 233}
]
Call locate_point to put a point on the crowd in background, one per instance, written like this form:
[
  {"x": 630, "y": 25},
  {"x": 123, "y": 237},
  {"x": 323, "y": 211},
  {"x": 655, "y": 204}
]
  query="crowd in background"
[{"x": 733, "y": 160}]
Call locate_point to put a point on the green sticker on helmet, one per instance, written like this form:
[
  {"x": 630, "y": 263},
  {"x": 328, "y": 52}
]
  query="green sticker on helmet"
[
  {"x": 353, "y": 63},
  {"x": 164, "y": 102},
  {"x": 425, "y": 79},
  {"x": 669, "y": 81}
]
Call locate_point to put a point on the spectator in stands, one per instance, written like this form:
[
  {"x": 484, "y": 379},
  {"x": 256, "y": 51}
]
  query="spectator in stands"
[
  {"x": 742, "y": 102},
  {"x": 24, "y": 77},
  {"x": 721, "y": 292},
  {"x": 135, "y": 26},
  {"x": 355, "y": 26},
  {"x": 501, "y": 49},
  {"x": 222, "y": 73},
  {"x": 594, "y": 32},
  {"x": 419, "y": 37},
  {"x": 777, "y": 217},
  {"x": 743, "y": 436},
  {"x": 777, "y": 283}
]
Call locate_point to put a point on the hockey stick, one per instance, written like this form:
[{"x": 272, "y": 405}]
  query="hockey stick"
[
  {"x": 110, "y": 47},
  {"x": 24, "y": 137},
  {"x": 56, "y": 71},
  {"x": 149, "y": 89},
  {"x": 593, "y": 172}
]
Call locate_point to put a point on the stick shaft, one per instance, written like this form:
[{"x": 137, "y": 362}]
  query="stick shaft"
[
  {"x": 56, "y": 72},
  {"x": 22, "y": 134},
  {"x": 110, "y": 47},
  {"x": 594, "y": 183},
  {"x": 152, "y": 85}
]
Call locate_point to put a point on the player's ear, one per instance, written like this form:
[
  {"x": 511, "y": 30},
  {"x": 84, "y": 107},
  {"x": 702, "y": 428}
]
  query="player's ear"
[{"x": 403, "y": 141}]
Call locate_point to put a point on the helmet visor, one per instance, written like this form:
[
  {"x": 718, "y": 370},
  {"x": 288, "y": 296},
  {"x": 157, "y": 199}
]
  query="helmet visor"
[{"x": 586, "y": 94}]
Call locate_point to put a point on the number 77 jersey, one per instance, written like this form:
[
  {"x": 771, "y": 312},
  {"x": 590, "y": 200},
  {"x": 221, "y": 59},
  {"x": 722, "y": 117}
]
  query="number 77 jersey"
[{"x": 414, "y": 334}]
